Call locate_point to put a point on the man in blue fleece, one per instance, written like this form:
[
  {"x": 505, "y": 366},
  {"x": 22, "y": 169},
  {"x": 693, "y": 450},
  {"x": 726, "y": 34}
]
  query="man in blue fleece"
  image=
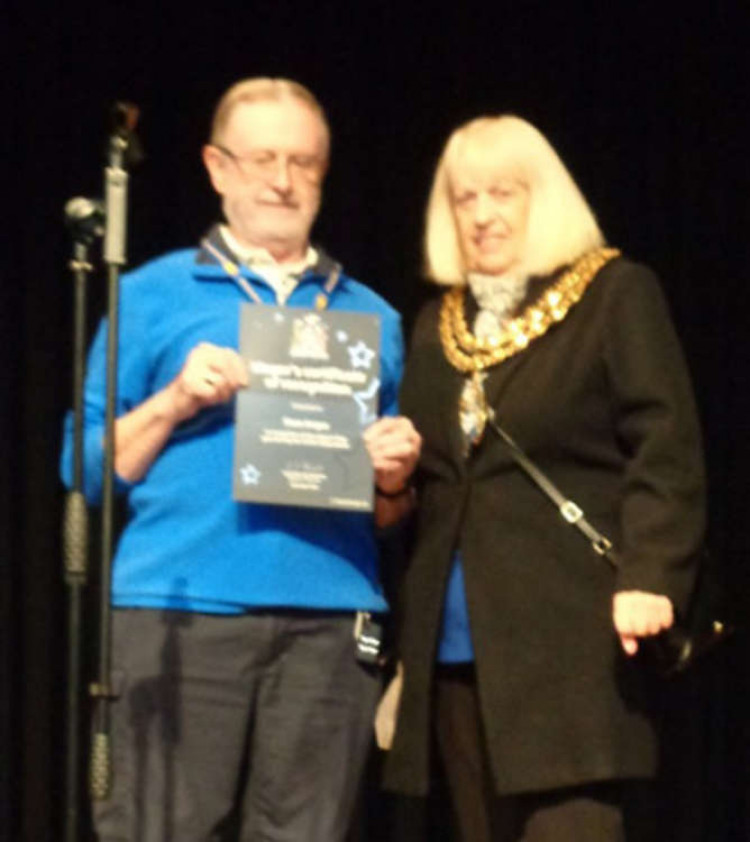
[{"x": 234, "y": 660}]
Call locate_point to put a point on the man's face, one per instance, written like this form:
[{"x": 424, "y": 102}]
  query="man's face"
[{"x": 268, "y": 168}]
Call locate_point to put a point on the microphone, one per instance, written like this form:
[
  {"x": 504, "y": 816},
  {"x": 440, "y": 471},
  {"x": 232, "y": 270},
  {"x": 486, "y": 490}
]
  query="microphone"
[
  {"x": 85, "y": 218},
  {"x": 124, "y": 119}
]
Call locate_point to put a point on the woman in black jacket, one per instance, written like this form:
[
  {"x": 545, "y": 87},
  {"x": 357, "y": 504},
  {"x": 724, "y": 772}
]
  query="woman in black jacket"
[{"x": 519, "y": 643}]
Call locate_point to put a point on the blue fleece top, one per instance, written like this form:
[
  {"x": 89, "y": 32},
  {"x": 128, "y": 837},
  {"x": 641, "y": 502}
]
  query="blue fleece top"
[
  {"x": 187, "y": 544},
  {"x": 455, "y": 644}
]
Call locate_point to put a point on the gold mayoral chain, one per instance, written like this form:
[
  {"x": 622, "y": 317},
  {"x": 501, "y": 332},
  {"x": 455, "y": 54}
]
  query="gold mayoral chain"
[
  {"x": 472, "y": 355},
  {"x": 469, "y": 354}
]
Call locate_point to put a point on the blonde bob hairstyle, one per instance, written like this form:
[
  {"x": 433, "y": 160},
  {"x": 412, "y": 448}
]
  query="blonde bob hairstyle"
[
  {"x": 560, "y": 225},
  {"x": 263, "y": 89}
]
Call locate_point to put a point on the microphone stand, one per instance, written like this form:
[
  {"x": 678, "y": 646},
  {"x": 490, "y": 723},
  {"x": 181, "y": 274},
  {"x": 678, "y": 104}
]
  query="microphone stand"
[
  {"x": 89, "y": 219},
  {"x": 75, "y": 526},
  {"x": 124, "y": 150}
]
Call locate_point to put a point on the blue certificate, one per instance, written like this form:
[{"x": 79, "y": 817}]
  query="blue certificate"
[{"x": 314, "y": 385}]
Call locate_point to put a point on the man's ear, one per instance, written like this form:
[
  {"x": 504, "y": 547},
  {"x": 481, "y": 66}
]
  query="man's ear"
[{"x": 215, "y": 163}]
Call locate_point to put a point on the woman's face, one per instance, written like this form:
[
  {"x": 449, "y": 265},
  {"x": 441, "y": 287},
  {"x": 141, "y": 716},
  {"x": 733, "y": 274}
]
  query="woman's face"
[{"x": 491, "y": 208}]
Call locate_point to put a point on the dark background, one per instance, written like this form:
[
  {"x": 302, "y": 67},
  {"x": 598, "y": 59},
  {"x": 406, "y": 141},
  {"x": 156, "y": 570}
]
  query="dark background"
[{"x": 647, "y": 104}]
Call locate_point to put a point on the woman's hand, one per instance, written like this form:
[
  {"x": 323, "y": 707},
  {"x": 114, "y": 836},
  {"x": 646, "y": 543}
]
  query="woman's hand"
[{"x": 640, "y": 614}]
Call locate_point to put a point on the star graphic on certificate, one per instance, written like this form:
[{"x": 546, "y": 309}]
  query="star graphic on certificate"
[
  {"x": 360, "y": 356},
  {"x": 249, "y": 474},
  {"x": 366, "y": 415}
]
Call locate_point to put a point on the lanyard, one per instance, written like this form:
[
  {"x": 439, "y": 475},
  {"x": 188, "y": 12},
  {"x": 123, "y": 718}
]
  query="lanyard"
[{"x": 233, "y": 270}]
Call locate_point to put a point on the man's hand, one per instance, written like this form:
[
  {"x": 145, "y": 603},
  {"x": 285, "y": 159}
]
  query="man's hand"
[
  {"x": 211, "y": 375},
  {"x": 393, "y": 445},
  {"x": 640, "y": 614}
]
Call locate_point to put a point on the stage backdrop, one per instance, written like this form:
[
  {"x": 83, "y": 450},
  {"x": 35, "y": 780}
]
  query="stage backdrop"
[{"x": 646, "y": 106}]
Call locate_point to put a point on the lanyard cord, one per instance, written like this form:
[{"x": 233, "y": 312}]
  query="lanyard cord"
[{"x": 233, "y": 270}]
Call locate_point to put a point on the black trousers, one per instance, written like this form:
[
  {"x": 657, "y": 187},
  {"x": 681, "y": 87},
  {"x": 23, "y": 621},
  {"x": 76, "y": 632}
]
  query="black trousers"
[
  {"x": 591, "y": 813},
  {"x": 268, "y": 715}
]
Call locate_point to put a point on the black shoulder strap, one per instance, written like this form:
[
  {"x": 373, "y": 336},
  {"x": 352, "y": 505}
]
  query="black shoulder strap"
[
  {"x": 675, "y": 648},
  {"x": 571, "y": 512}
]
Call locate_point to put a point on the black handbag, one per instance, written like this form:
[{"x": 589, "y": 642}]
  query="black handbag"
[{"x": 677, "y": 648}]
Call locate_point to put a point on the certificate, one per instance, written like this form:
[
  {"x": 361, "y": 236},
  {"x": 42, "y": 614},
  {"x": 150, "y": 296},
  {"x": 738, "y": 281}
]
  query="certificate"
[{"x": 314, "y": 387}]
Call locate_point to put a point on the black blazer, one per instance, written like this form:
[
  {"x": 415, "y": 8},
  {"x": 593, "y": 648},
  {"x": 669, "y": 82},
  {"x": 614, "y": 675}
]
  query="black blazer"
[{"x": 602, "y": 402}]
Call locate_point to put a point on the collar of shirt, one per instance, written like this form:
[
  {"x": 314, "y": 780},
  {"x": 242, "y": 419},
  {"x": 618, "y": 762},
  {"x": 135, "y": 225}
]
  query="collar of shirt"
[
  {"x": 497, "y": 298},
  {"x": 281, "y": 277}
]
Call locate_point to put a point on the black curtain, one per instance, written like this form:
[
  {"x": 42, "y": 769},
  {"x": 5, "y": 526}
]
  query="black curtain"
[{"x": 646, "y": 103}]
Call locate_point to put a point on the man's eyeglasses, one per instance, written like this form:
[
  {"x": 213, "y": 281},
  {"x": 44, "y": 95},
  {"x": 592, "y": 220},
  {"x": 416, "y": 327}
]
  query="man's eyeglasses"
[{"x": 265, "y": 163}]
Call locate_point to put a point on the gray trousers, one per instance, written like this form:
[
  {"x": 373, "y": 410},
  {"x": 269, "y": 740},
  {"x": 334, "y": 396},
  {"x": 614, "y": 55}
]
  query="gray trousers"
[{"x": 267, "y": 715}]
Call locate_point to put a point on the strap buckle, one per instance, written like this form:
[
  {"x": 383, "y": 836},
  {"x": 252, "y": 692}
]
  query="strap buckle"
[
  {"x": 571, "y": 511},
  {"x": 601, "y": 545}
]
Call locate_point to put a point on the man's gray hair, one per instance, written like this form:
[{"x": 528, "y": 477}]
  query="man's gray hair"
[{"x": 260, "y": 89}]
